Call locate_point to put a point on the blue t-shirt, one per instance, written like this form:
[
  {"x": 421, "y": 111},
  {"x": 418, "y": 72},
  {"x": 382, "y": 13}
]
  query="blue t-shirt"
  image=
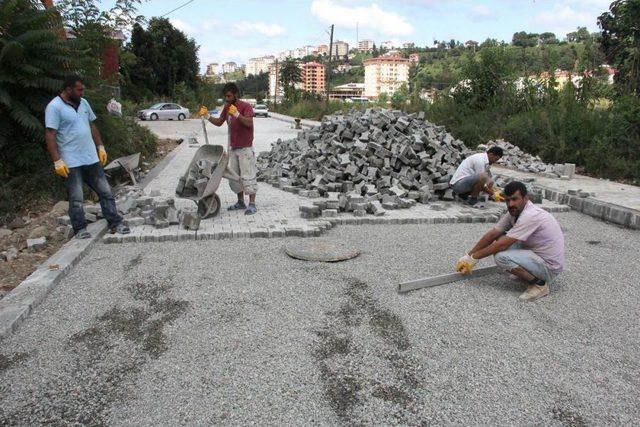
[{"x": 75, "y": 143}]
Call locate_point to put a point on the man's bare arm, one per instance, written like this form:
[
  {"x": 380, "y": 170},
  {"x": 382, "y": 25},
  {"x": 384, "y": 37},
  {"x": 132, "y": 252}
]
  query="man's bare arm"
[
  {"x": 218, "y": 121},
  {"x": 488, "y": 238},
  {"x": 502, "y": 244},
  {"x": 52, "y": 144},
  {"x": 95, "y": 133},
  {"x": 246, "y": 121}
]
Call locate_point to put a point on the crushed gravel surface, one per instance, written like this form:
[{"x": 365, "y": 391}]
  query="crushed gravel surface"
[{"x": 236, "y": 332}]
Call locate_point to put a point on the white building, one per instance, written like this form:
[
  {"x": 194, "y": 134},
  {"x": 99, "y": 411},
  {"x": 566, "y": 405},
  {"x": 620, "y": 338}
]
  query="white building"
[
  {"x": 309, "y": 50},
  {"x": 385, "y": 75},
  {"x": 365, "y": 45},
  {"x": 340, "y": 48},
  {"x": 212, "y": 69},
  {"x": 259, "y": 65},
  {"x": 387, "y": 45},
  {"x": 229, "y": 67}
]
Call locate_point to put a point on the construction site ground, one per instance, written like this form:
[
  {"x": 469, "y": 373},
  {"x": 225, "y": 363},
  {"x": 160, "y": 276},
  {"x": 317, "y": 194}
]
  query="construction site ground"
[
  {"x": 41, "y": 219},
  {"x": 233, "y": 331}
]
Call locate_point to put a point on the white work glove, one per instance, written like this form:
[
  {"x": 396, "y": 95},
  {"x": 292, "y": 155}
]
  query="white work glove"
[{"x": 465, "y": 264}]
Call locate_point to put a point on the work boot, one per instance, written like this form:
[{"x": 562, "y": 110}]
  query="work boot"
[
  {"x": 239, "y": 205},
  {"x": 534, "y": 292},
  {"x": 471, "y": 201}
]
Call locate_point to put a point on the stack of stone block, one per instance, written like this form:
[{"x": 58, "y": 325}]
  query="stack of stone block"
[
  {"x": 374, "y": 160},
  {"x": 197, "y": 179},
  {"x": 515, "y": 158}
]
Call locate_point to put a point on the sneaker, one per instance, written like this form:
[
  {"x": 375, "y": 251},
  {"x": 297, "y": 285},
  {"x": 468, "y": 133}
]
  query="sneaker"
[
  {"x": 238, "y": 206},
  {"x": 120, "y": 229},
  {"x": 83, "y": 234},
  {"x": 251, "y": 209},
  {"x": 534, "y": 292}
]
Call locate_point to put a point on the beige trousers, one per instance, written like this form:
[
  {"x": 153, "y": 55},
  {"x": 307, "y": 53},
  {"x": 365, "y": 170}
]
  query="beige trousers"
[{"x": 243, "y": 162}]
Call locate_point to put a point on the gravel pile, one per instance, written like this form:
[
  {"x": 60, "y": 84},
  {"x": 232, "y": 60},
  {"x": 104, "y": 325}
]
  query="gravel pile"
[{"x": 376, "y": 156}]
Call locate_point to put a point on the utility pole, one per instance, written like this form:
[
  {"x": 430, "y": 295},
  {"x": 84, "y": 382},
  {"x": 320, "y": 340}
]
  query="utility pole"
[
  {"x": 329, "y": 63},
  {"x": 275, "y": 89}
]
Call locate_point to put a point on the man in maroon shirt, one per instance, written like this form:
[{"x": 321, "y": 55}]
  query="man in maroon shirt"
[{"x": 242, "y": 159}]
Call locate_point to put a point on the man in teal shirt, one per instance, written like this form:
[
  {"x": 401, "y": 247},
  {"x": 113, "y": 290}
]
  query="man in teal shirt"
[{"x": 75, "y": 146}]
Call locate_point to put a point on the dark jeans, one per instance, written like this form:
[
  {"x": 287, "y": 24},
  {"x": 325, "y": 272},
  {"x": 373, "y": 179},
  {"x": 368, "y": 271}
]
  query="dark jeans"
[{"x": 93, "y": 176}]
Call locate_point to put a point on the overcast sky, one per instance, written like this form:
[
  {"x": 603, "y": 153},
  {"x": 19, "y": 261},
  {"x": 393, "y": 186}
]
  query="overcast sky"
[{"x": 238, "y": 30}]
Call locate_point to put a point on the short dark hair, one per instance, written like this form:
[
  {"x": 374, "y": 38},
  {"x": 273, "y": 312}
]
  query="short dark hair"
[
  {"x": 496, "y": 151},
  {"x": 511, "y": 188},
  {"x": 70, "y": 81},
  {"x": 230, "y": 87}
]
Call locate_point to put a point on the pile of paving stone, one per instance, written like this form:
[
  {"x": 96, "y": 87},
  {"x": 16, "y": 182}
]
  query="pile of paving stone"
[
  {"x": 366, "y": 162},
  {"x": 197, "y": 179},
  {"x": 139, "y": 209},
  {"x": 515, "y": 158}
]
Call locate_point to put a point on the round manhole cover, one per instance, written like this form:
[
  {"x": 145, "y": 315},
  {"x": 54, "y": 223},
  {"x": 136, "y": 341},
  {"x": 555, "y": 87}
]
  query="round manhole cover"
[{"x": 320, "y": 250}]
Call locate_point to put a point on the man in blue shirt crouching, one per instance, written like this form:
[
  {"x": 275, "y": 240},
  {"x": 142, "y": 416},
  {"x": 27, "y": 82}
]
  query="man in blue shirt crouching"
[{"x": 75, "y": 146}]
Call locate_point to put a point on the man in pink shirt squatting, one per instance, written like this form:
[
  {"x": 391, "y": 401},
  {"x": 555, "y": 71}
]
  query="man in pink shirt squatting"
[
  {"x": 242, "y": 159},
  {"x": 527, "y": 242}
]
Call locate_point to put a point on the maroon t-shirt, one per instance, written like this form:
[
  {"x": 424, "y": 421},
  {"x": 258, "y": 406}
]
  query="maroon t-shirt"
[{"x": 241, "y": 135}]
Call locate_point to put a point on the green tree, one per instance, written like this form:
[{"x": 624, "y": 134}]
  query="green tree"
[
  {"x": 160, "y": 58},
  {"x": 621, "y": 42},
  {"x": 290, "y": 74},
  {"x": 33, "y": 61},
  {"x": 548, "y": 38},
  {"x": 580, "y": 35}
]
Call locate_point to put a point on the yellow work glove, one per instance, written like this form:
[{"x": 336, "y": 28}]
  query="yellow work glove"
[
  {"x": 102, "y": 155},
  {"x": 203, "y": 111},
  {"x": 61, "y": 168},
  {"x": 465, "y": 264},
  {"x": 498, "y": 196},
  {"x": 233, "y": 110}
]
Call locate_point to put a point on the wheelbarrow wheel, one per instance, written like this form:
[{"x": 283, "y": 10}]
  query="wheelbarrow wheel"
[{"x": 209, "y": 206}]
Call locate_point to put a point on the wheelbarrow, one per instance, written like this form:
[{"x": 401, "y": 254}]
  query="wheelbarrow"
[
  {"x": 202, "y": 178},
  {"x": 127, "y": 164}
]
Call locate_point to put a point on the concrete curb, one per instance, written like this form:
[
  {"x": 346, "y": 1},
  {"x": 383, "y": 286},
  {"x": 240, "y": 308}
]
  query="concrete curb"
[
  {"x": 20, "y": 302},
  {"x": 288, "y": 119},
  {"x": 604, "y": 211}
]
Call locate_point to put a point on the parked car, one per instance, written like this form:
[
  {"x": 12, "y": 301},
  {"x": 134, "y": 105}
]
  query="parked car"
[
  {"x": 164, "y": 111},
  {"x": 261, "y": 110}
]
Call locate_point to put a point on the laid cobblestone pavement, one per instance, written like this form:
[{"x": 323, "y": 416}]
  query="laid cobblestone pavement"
[{"x": 278, "y": 214}]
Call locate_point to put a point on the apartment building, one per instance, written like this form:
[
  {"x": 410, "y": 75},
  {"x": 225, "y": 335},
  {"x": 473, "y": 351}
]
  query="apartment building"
[
  {"x": 212, "y": 69},
  {"x": 229, "y": 67},
  {"x": 313, "y": 77},
  {"x": 387, "y": 45},
  {"x": 259, "y": 65},
  {"x": 385, "y": 75},
  {"x": 323, "y": 49},
  {"x": 340, "y": 48},
  {"x": 365, "y": 46}
]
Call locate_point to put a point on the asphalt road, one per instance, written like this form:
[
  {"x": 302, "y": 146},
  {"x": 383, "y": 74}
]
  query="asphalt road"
[{"x": 235, "y": 332}]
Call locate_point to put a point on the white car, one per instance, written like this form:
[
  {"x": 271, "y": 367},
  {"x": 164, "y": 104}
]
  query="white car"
[
  {"x": 164, "y": 111},
  {"x": 260, "y": 110}
]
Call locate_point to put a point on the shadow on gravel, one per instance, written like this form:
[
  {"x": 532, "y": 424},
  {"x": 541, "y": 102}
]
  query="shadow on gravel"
[
  {"x": 7, "y": 362},
  {"x": 104, "y": 357},
  {"x": 568, "y": 417},
  {"x": 379, "y": 373}
]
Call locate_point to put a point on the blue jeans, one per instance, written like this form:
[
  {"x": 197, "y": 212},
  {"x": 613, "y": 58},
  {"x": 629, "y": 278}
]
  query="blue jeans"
[
  {"x": 93, "y": 176},
  {"x": 465, "y": 185}
]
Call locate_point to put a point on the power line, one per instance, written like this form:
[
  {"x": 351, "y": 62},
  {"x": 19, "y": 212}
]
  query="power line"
[{"x": 179, "y": 7}]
